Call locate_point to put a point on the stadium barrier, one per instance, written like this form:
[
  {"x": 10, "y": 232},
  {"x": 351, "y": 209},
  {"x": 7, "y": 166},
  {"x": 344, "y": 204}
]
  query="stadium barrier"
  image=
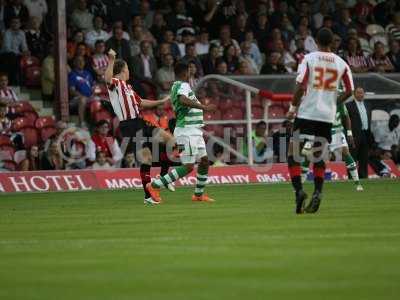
[{"x": 87, "y": 180}]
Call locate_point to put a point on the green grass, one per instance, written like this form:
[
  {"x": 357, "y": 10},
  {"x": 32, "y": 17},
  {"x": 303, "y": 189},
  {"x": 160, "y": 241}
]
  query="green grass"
[{"x": 108, "y": 245}]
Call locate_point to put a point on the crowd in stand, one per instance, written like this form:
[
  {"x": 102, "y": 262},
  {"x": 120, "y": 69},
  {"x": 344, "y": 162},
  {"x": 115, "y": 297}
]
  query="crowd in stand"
[{"x": 215, "y": 36}]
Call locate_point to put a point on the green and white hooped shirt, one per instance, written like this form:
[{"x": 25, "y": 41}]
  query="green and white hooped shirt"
[{"x": 186, "y": 117}]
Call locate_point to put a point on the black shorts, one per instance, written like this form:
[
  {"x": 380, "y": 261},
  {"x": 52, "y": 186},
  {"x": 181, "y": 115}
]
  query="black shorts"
[
  {"x": 139, "y": 131},
  {"x": 310, "y": 128}
]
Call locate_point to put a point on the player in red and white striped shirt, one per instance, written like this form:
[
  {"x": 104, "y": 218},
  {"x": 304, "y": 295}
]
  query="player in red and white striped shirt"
[
  {"x": 127, "y": 105},
  {"x": 314, "y": 106},
  {"x": 6, "y": 93}
]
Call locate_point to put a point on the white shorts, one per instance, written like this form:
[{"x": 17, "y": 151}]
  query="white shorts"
[
  {"x": 338, "y": 141},
  {"x": 191, "y": 144}
]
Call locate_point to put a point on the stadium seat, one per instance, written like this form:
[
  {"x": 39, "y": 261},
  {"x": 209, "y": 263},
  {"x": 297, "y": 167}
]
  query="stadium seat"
[
  {"x": 23, "y": 106},
  {"x": 47, "y": 132},
  {"x": 20, "y": 123},
  {"x": 215, "y": 130},
  {"x": 94, "y": 106},
  {"x": 276, "y": 111},
  {"x": 233, "y": 114},
  {"x": 395, "y": 112},
  {"x": 102, "y": 115},
  {"x": 31, "y": 136},
  {"x": 31, "y": 116},
  {"x": 379, "y": 38},
  {"x": 29, "y": 61},
  {"x": 45, "y": 122},
  {"x": 257, "y": 112},
  {"x": 32, "y": 76},
  {"x": 5, "y": 140},
  {"x": 9, "y": 165},
  {"x": 225, "y": 104}
]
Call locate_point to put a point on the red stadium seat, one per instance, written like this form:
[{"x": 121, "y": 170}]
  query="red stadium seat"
[
  {"x": 5, "y": 140},
  {"x": 215, "y": 130},
  {"x": 20, "y": 123},
  {"x": 94, "y": 106},
  {"x": 102, "y": 115},
  {"x": 10, "y": 165},
  {"x": 233, "y": 114},
  {"x": 47, "y": 132},
  {"x": 45, "y": 122},
  {"x": 29, "y": 61},
  {"x": 276, "y": 112},
  {"x": 32, "y": 76},
  {"x": 226, "y": 104},
  {"x": 31, "y": 136},
  {"x": 22, "y": 106},
  {"x": 31, "y": 116},
  {"x": 257, "y": 112}
]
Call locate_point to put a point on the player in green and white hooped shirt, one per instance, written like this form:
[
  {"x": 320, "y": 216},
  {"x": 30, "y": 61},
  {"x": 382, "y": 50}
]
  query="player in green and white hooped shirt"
[
  {"x": 189, "y": 136},
  {"x": 339, "y": 142}
]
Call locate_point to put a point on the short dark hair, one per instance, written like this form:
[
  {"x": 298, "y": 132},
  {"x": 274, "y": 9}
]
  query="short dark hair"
[
  {"x": 190, "y": 45},
  {"x": 3, "y": 74},
  {"x": 99, "y": 42},
  {"x": 261, "y": 123},
  {"x": 324, "y": 37},
  {"x": 119, "y": 64},
  {"x": 181, "y": 67},
  {"x": 101, "y": 123}
]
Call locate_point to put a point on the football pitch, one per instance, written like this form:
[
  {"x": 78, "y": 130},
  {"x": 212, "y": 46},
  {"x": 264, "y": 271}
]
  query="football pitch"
[{"x": 249, "y": 244}]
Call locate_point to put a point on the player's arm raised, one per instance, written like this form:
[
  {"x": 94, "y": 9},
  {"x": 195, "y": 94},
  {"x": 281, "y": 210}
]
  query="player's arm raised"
[
  {"x": 109, "y": 71},
  {"x": 153, "y": 103},
  {"x": 192, "y": 104}
]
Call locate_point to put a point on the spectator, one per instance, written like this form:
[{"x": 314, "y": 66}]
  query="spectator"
[
  {"x": 225, "y": 40},
  {"x": 328, "y": 22},
  {"x": 128, "y": 161},
  {"x": 83, "y": 51},
  {"x": 345, "y": 22},
  {"x": 203, "y": 44},
  {"x": 119, "y": 11},
  {"x": 163, "y": 49},
  {"x": 61, "y": 126},
  {"x": 48, "y": 76},
  {"x": 120, "y": 45},
  {"x": 379, "y": 61},
  {"x": 158, "y": 27},
  {"x": 393, "y": 29},
  {"x": 187, "y": 38},
  {"x": 231, "y": 58},
  {"x": 300, "y": 50},
  {"x": 193, "y": 74},
  {"x": 101, "y": 162},
  {"x": 276, "y": 35},
  {"x": 37, "y": 9},
  {"x": 246, "y": 55},
  {"x": 287, "y": 29},
  {"x": 221, "y": 67},
  {"x": 210, "y": 60},
  {"x": 72, "y": 45},
  {"x": 80, "y": 82},
  {"x": 97, "y": 33},
  {"x": 336, "y": 46},
  {"x": 382, "y": 12},
  {"x": 165, "y": 76},
  {"x": 144, "y": 65},
  {"x": 99, "y": 60},
  {"x": 321, "y": 12},
  {"x": 31, "y": 162},
  {"x": 394, "y": 54},
  {"x": 355, "y": 57},
  {"x": 137, "y": 38},
  {"x": 244, "y": 68},
  {"x": 277, "y": 15},
  {"x": 360, "y": 125},
  {"x": 261, "y": 31},
  {"x": 287, "y": 59},
  {"x": 274, "y": 64},
  {"x": 389, "y": 140},
  {"x": 81, "y": 18},
  {"x": 103, "y": 142},
  {"x": 309, "y": 43},
  {"x": 5, "y": 122},
  {"x": 37, "y": 40},
  {"x": 52, "y": 158},
  {"x": 120, "y": 25},
  {"x": 98, "y": 8},
  {"x": 254, "y": 50},
  {"x": 15, "y": 10},
  {"x": 180, "y": 19},
  {"x": 219, "y": 156},
  {"x": 15, "y": 39},
  {"x": 138, "y": 21},
  {"x": 191, "y": 56},
  {"x": 169, "y": 38},
  {"x": 240, "y": 28},
  {"x": 363, "y": 11},
  {"x": 146, "y": 13},
  {"x": 7, "y": 94},
  {"x": 259, "y": 138}
]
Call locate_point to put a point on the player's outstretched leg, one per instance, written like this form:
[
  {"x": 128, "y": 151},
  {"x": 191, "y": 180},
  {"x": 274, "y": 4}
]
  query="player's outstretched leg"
[
  {"x": 202, "y": 176},
  {"x": 351, "y": 166},
  {"x": 319, "y": 174},
  {"x": 172, "y": 176},
  {"x": 165, "y": 164},
  {"x": 295, "y": 176}
]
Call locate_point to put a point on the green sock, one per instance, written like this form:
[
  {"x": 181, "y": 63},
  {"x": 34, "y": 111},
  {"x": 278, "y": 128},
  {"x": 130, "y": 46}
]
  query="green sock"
[
  {"x": 202, "y": 176},
  {"x": 172, "y": 176},
  {"x": 305, "y": 166},
  {"x": 351, "y": 166}
]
